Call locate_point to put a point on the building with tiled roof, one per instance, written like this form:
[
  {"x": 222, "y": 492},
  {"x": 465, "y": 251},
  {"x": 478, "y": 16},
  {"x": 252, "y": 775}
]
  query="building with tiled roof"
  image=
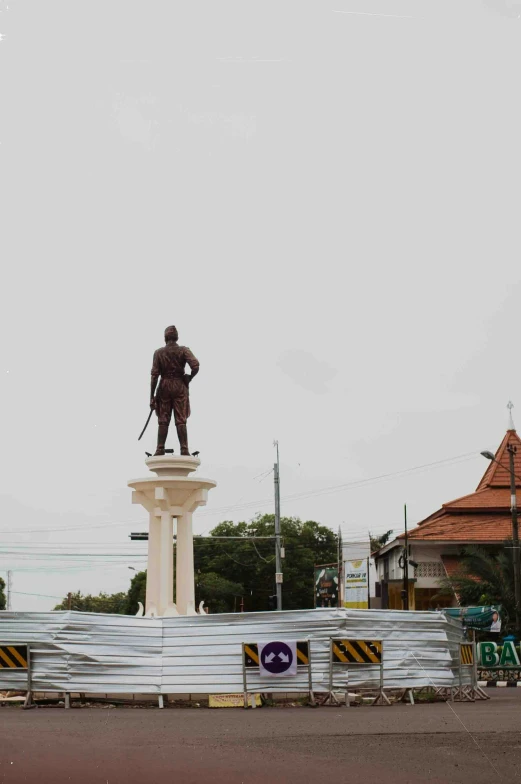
[{"x": 437, "y": 543}]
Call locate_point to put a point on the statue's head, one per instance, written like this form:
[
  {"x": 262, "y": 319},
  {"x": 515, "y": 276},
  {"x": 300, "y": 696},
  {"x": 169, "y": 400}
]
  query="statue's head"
[{"x": 171, "y": 334}]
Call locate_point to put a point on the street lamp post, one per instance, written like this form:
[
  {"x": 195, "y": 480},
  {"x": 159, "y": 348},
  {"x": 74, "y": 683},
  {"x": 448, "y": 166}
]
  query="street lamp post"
[
  {"x": 515, "y": 536},
  {"x": 515, "y": 530},
  {"x": 405, "y": 591},
  {"x": 278, "y": 567},
  {"x": 405, "y": 567}
]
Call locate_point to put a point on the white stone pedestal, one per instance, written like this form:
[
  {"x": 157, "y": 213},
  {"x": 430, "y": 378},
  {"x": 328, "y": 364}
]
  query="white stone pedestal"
[{"x": 171, "y": 493}]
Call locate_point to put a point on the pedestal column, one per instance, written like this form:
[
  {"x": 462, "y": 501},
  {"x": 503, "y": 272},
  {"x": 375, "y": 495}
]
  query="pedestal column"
[
  {"x": 171, "y": 493},
  {"x": 166, "y": 562},
  {"x": 185, "y": 576},
  {"x": 154, "y": 548}
]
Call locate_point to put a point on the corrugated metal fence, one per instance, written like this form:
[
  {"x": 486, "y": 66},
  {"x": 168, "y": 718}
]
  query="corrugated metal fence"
[{"x": 88, "y": 652}]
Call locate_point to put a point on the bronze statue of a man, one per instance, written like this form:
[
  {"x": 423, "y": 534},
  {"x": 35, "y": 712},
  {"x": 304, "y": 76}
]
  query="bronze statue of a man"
[{"x": 172, "y": 394}]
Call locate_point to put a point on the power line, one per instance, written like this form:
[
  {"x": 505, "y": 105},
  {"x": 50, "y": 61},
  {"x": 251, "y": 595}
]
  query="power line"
[
  {"x": 345, "y": 485},
  {"x": 380, "y": 477},
  {"x": 53, "y": 559},
  {"x": 63, "y": 529},
  {"x": 236, "y": 561},
  {"x": 83, "y": 568},
  {"x": 269, "y": 501},
  {"x": 71, "y": 555},
  {"x": 44, "y": 595}
]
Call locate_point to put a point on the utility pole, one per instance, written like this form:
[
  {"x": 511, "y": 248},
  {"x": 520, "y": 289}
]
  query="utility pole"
[
  {"x": 69, "y": 601},
  {"x": 515, "y": 537},
  {"x": 340, "y": 592},
  {"x": 405, "y": 592},
  {"x": 368, "y": 585},
  {"x": 9, "y": 589},
  {"x": 278, "y": 567}
]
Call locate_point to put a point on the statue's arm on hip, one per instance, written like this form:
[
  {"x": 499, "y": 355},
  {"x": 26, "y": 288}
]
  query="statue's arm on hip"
[{"x": 194, "y": 365}]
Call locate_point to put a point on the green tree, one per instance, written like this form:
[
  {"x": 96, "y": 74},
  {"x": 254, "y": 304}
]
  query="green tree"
[
  {"x": 250, "y": 563},
  {"x": 217, "y": 592},
  {"x": 2, "y": 594},
  {"x": 136, "y": 593},
  {"x": 115, "y": 603},
  {"x": 228, "y": 570},
  {"x": 484, "y": 578},
  {"x": 376, "y": 542}
]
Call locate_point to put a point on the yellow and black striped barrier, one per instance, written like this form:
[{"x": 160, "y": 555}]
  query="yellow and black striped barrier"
[
  {"x": 356, "y": 651},
  {"x": 467, "y": 688},
  {"x": 251, "y": 654},
  {"x": 14, "y": 657}
]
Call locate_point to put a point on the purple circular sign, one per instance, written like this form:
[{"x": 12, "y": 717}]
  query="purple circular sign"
[{"x": 277, "y": 657}]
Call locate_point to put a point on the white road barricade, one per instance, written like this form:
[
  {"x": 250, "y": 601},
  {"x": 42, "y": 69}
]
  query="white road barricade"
[{"x": 203, "y": 654}]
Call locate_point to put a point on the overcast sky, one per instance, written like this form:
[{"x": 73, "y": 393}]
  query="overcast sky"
[{"x": 323, "y": 197}]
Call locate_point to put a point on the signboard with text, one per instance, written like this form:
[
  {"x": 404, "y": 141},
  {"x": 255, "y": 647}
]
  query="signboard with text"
[
  {"x": 230, "y": 700},
  {"x": 356, "y": 584},
  {"x": 326, "y": 586},
  {"x": 493, "y": 655},
  {"x": 487, "y": 619},
  {"x": 499, "y": 662}
]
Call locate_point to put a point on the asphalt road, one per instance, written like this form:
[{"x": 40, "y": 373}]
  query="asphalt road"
[{"x": 474, "y": 743}]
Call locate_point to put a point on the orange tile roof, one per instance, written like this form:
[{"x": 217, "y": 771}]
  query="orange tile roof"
[
  {"x": 482, "y": 516},
  {"x": 487, "y": 499},
  {"x": 464, "y": 528},
  {"x": 451, "y": 563},
  {"x": 499, "y": 475}
]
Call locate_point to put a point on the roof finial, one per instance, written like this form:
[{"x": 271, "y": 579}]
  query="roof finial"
[{"x": 511, "y": 425}]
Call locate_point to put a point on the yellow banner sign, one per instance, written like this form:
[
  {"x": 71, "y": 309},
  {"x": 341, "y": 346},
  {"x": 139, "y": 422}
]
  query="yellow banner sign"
[
  {"x": 356, "y": 584},
  {"x": 231, "y": 700}
]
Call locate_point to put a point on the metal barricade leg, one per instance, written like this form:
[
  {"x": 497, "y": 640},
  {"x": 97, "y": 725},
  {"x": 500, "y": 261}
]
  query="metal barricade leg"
[
  {"x": 244, "y": 682},
  {"x": 28, "y": 703},
  {"x": 479, "y": 693},
  {"x": 310, "y": 677},
  {"x": 331, "y": 669},
  {"x": 330, "y": 699},
  {"x": 466, "y": 692},
  {"x": 382, "y": 696}
]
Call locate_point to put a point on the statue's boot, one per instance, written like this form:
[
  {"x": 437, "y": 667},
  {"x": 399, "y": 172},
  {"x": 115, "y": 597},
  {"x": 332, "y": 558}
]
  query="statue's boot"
[
  {"x": 162, "y": 433},
  {"x": 182, "y": 435}
]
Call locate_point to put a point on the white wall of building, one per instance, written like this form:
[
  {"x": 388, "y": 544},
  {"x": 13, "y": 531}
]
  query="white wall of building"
[
  {"x": 395, "y": 573},
  {"x": 430, "y": 568}
]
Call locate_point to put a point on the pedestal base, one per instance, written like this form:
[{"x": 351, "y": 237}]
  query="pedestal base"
[{"x": 172, "y": 493}]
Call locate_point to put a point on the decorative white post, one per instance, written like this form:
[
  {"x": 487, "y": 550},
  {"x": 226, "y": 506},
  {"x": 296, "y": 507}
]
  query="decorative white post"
[{"x": 171, "y": 493}]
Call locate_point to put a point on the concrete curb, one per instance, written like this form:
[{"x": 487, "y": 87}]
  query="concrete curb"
[{"x": 499, "y": 684}]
